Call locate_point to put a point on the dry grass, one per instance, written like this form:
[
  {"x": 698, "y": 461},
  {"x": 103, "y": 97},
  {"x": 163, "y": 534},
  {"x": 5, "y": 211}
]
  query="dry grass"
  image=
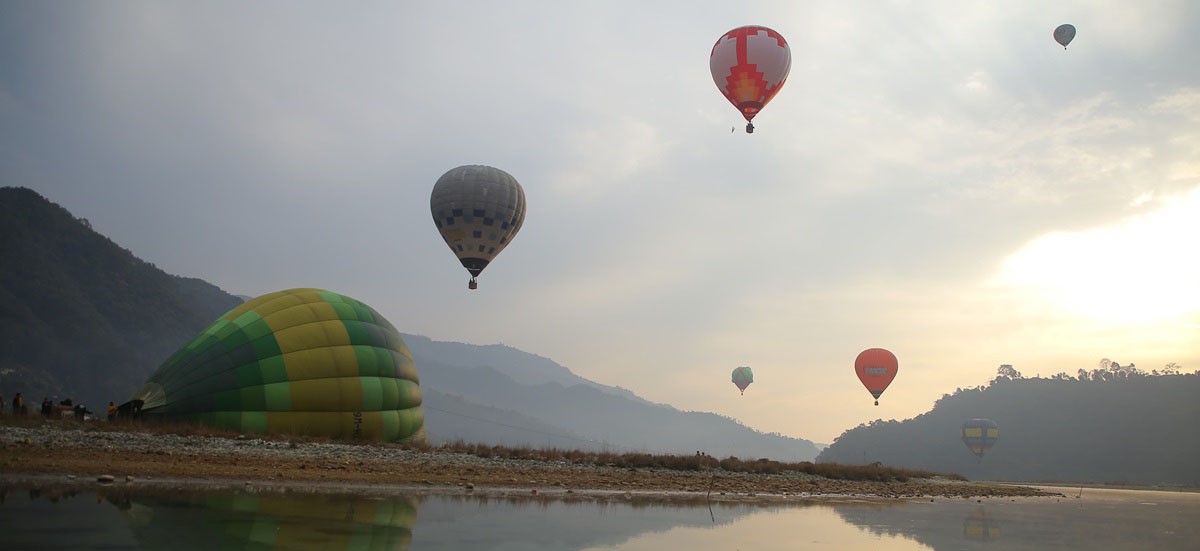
[{"x": 873, "y": 472}]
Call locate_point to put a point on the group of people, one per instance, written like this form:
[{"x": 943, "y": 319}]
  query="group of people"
[{"x": 51, "y": 410}]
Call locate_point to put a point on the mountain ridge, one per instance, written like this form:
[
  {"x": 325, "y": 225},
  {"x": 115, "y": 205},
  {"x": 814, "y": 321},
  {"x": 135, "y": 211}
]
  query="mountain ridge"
[
  {"x": 523, "y": 367},
  {"x": 80, "y": 314}
]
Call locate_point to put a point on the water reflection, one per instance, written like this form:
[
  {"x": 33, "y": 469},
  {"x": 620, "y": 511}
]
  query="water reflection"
[
  {"x": 300, "y": 522},
  {"x": 133, "y": 517},
  {"x": 980, "y": 526},
  {"x": 1108, "y": 519},
  {"x": 518, "y": 523}
]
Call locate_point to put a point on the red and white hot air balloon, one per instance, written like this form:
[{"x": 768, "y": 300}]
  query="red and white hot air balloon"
[{"x": 749, "y": 65}]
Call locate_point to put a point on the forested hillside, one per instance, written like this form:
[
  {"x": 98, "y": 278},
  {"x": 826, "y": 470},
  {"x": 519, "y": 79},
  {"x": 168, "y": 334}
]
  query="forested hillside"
[
  {"x": 1112, "y": 424},
  {"x": 79, "y": 315}
]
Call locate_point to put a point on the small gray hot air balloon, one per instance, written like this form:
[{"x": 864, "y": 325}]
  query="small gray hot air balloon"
[
  {"x": 1064, "y": 34},
  {"x": 478, "y": 210}
]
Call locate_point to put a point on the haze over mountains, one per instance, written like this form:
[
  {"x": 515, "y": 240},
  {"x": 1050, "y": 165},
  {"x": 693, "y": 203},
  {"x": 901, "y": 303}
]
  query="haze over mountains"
[
  {"x": 589, "y": 415},
  {"x": 83, "y": 317}
]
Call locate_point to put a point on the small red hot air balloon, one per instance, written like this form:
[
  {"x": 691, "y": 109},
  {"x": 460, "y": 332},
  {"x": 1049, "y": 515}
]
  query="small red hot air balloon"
[{"x": 876, "y": 368}]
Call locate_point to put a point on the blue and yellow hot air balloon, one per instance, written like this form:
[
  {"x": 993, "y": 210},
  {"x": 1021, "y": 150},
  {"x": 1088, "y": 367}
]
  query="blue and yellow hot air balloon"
[
  {"x": 301, "y": 361},
  {"x": 980, "y": 435}
]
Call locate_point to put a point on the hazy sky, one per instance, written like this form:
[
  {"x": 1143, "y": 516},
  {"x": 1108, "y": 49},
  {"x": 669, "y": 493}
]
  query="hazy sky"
[{"x": 936, "y": 178}]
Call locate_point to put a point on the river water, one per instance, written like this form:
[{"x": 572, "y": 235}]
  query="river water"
[{"x": 126, "y": 517}]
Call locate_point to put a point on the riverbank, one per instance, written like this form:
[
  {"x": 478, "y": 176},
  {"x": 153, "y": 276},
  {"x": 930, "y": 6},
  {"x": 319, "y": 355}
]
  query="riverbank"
[{"x": 63, "y": 449}]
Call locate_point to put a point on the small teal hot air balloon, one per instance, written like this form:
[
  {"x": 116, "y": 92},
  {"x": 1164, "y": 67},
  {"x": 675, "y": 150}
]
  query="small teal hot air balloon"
[{"x": 742, "y": 377}]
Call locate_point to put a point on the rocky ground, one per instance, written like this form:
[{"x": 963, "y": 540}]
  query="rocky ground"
[{"x": 63, "y": 449}]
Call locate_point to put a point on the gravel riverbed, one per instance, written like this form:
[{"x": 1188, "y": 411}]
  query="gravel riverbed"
[{"x": 64, "y": 449}]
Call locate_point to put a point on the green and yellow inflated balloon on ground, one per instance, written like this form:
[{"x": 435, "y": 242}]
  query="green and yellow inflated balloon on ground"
[{"x": 301, "y": 361}]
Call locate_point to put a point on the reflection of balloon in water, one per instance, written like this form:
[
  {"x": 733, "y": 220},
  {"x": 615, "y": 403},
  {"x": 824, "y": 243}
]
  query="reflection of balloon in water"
[
  {"x": 749, "y": 65},
  {"x": 1064, "y": 34},
  {"x": 301, "y": 361},
  {"x": 980, "y": 435},
  {"x": 742, "y": 377},
  {"x": 876, "y": 368},
  {"x": 980, "y": 526},
  {"x": 478, "y": 210},
  {"x": 292, "y": 521}
]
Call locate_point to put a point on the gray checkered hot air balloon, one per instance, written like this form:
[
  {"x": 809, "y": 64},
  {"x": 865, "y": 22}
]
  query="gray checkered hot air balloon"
[{"x": 478, "y": 210}]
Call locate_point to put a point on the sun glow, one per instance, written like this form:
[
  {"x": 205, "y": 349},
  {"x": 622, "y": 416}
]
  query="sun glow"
[{"x": 1144, "y": 269}]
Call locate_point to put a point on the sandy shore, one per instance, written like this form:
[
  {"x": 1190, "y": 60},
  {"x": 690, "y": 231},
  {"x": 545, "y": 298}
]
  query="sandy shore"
[{"x": 56, "y": 451}]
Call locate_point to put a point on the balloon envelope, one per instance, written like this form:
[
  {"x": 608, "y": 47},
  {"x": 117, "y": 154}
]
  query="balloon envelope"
[
  {"x": 301, "y": 361},
  {"x": 742, "y": 377},
  {"x": 749, "y": 66},
  {"x": 1064, "y": 34},
  {"x": 876, "y": 368},
  {"x": 478, "y": 210},
  {"x": 980, "y": 435}
]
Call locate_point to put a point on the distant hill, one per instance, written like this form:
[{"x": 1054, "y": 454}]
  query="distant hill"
[
  {"x": 603, "y": 416},
  {"x": 449, "y": 419},
  {"x": 1117, "y": 425},
  {"x": 82, "y": 317},
  {"x": 523, "y": 367}
]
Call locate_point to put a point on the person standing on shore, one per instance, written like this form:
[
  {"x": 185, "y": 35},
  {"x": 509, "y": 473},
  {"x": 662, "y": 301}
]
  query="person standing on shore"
[
  {"x": 112, "y": 412},
  {"x": 17, "y": 404},
  {"x": 1, "y": 405},
  {"x": 81, "y": 412},
  {"x": 47, "y": 407}
]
